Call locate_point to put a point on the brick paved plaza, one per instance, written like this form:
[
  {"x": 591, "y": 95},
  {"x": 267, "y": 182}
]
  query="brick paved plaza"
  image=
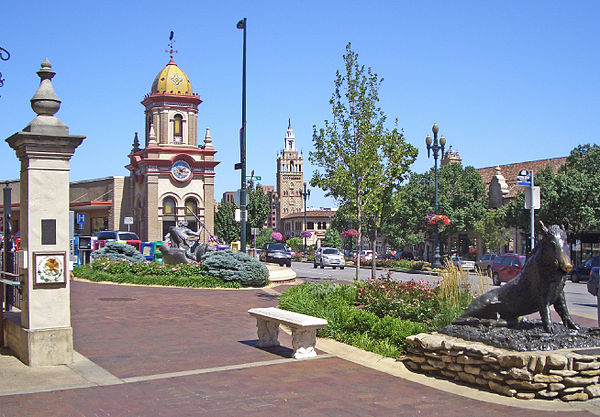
[{"x": 190, "y": 352}]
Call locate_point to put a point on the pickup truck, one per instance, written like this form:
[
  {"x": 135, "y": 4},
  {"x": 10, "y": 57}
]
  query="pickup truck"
[{"x": 593, "y": 281}]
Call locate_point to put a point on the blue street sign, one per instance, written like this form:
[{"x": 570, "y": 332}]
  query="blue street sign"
[
  {"x": 524, "y": 183},
  {"x": 80, "y": 218}
]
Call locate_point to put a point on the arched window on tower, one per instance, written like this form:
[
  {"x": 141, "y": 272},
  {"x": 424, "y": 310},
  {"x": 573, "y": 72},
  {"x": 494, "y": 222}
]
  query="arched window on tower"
[
  {"x": 178, "y": 129},
  {"x": 191, "y": 205},
  {"x": 169, "y": 214}
]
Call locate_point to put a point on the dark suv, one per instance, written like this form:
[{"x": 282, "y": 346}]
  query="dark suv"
[
  {"x": 506, "y": 267},
  {"x": 276, "y": 253},
  {"x": 582, "y": 272}
]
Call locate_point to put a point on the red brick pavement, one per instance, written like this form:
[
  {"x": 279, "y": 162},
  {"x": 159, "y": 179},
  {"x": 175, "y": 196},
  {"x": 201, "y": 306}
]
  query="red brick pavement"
[{"x": 137, "y": 331}]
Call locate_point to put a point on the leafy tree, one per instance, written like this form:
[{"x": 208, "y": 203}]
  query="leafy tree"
[
  {"x": 258, "y": 209},
  {"x": 569, "y": 196},
  {"x": 332, "y": 238},
  {"x": 411, "y": 204},
  {"x": 461, "y": 197},
  {"x": 577, "y": 191},
  {"x": 491, "y": 229},
  {"x": 296, "y": 244},
  {"x": 226, "y": 228},
  {"x": 362, "y": 160},
  {"x": 263, "y": 237}
]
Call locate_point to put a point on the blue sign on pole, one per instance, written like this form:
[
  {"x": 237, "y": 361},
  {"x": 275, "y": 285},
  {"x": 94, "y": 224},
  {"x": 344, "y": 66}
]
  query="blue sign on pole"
[{"x": 80, "y": 218}]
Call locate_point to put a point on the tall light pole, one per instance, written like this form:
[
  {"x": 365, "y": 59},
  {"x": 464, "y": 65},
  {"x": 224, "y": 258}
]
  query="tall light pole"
[
  {"x": 242, "y": 165},
  {"x": 305, "y": 195},
  {"x": 436, "y": 148}
]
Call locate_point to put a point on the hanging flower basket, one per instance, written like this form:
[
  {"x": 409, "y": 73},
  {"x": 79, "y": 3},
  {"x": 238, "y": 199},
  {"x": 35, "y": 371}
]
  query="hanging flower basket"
[
  {"x": 439, "y": 219},
  {"x": 277, "y": 236},
  {"x": 350, "y": 233},
  {"x": 306, "y": 233}
]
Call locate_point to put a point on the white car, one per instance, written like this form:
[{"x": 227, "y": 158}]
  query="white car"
[
  {"x": 464, "y": 264},
  {"x": 329, "y": 257}
]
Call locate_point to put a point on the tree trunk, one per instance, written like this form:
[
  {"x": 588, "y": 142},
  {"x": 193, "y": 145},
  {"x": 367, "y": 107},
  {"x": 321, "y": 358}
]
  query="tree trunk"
[
  {"x": 374, "y": 260},
  {"x": 359, "y": 245}
]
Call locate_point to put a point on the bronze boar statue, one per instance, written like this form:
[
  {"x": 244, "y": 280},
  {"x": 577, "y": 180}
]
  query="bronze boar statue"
[{"x": 539, "y": 285}]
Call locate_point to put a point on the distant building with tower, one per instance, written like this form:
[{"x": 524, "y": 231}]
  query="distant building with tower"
[{"x": 290, "y": 177}]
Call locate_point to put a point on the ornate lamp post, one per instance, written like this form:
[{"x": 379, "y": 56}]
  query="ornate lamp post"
[
  {"x": 305, "y": 195},
  {"x": 435, "y": 148}
]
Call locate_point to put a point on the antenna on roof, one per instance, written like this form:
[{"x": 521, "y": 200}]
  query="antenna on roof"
[{"x": 170, "y": 51}]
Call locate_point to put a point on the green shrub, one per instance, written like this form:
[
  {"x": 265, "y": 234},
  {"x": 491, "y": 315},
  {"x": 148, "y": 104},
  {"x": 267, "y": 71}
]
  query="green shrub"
[
  {"x": 166, "y": 279},
  {"x": 360, "y": 321},
  {"x": 119, "y": 252},
  {"x": 360, "y": 328},
  {"x": 236, "y": 267},
  {"x": 396, "y": 330}
]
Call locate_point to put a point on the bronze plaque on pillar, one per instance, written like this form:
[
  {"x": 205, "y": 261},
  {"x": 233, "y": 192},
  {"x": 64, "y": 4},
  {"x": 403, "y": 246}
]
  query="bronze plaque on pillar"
[{"x": 48, "y": 231}]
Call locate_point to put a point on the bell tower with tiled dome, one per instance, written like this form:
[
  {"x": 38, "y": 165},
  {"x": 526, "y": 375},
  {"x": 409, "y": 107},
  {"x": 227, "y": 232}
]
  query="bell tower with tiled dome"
[
  {"x": 172, "y": 108},
  {"x": 172, "y": 175}
]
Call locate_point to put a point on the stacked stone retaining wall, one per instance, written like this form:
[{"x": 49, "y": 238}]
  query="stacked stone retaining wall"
[{"x": 562, "y": 374}]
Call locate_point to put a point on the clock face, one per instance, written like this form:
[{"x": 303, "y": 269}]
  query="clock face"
[{"x": 181, "y": 171}]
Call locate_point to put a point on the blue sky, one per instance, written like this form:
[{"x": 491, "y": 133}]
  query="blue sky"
[{"x": 507, "y": 81}]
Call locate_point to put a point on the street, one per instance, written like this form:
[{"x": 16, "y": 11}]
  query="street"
[{"x": 579, "y": 301}]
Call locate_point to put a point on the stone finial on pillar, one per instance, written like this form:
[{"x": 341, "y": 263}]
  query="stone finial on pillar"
[
  {"x": 45, "y": 103},
  {"x": 207, "y": 139},
  {"x": 136, "y": 144},
  {"x": 152, "y": 136}
]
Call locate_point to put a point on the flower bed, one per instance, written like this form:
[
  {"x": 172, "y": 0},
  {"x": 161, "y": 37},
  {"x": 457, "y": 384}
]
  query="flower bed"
[{"x": 378, "y": 314}]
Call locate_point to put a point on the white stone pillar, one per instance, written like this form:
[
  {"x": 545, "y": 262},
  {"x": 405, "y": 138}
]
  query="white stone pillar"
[{"x": 44, "y": 148}]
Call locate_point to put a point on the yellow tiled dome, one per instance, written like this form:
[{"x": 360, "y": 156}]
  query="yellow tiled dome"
[{"x": 172, "y": 80}]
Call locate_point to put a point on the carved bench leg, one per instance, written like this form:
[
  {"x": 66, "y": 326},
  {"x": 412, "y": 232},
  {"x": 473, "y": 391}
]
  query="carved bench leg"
[
  {"x": 303, "y": 342},
  {"x": 268, "y": 332}
]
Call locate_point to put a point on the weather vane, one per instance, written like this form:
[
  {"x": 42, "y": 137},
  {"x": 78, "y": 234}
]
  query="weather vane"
[
  {"x": 170, "y": 51},
  {"x": 4, "y": 56}
]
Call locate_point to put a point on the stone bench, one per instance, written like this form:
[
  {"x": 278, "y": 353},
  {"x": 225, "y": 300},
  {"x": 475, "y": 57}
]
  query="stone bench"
[{"x": 304, "y": 329}]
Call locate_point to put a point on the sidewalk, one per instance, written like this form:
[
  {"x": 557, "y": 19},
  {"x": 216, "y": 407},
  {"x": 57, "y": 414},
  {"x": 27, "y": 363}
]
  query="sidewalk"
[{"x": 154, "y": 351}]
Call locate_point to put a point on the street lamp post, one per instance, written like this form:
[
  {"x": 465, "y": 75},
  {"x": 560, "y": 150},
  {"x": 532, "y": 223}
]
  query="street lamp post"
[
  {"x": 435, "y": 148},
  {"x": 305, "y": 195},
  {"x": 242, "y": 164}
]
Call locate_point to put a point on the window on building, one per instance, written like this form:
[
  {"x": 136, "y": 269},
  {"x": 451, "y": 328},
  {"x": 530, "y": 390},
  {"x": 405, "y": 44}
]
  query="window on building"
[
  {"x": 178, "y": 129},
  {"x": 310, "y": 226},
  {"x": 169, "y": 214},
  {"x": 191, "y": 207}
]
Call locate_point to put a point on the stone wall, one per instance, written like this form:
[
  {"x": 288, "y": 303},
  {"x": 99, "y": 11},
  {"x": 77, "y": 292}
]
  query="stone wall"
[{"x": 560, "y": 374}]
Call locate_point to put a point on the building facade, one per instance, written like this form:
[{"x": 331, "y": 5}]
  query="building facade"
[
  {"x": 173, "y": 177},
  {"x": 317, "y": 222},
  {"x": 170, "y": 179},
  {"x": 290, "y": 177}
]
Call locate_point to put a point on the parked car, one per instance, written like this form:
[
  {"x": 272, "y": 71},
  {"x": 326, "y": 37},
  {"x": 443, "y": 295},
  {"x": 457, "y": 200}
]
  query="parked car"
[
  {"x": 507, "y": 266},
  {"x": 115, "y": 235},
  {"x": 365, "y": 255},
  {"x": 593, "y": 281},
  {"x": 276, "y": 253},
  {"x": 329, "y": 257},
  {"x": 462, "y": 263},
  {"x": 485, "y": 263},
  {"x": 385, "y": 257},
  {"x": 582, "y": 272}
]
